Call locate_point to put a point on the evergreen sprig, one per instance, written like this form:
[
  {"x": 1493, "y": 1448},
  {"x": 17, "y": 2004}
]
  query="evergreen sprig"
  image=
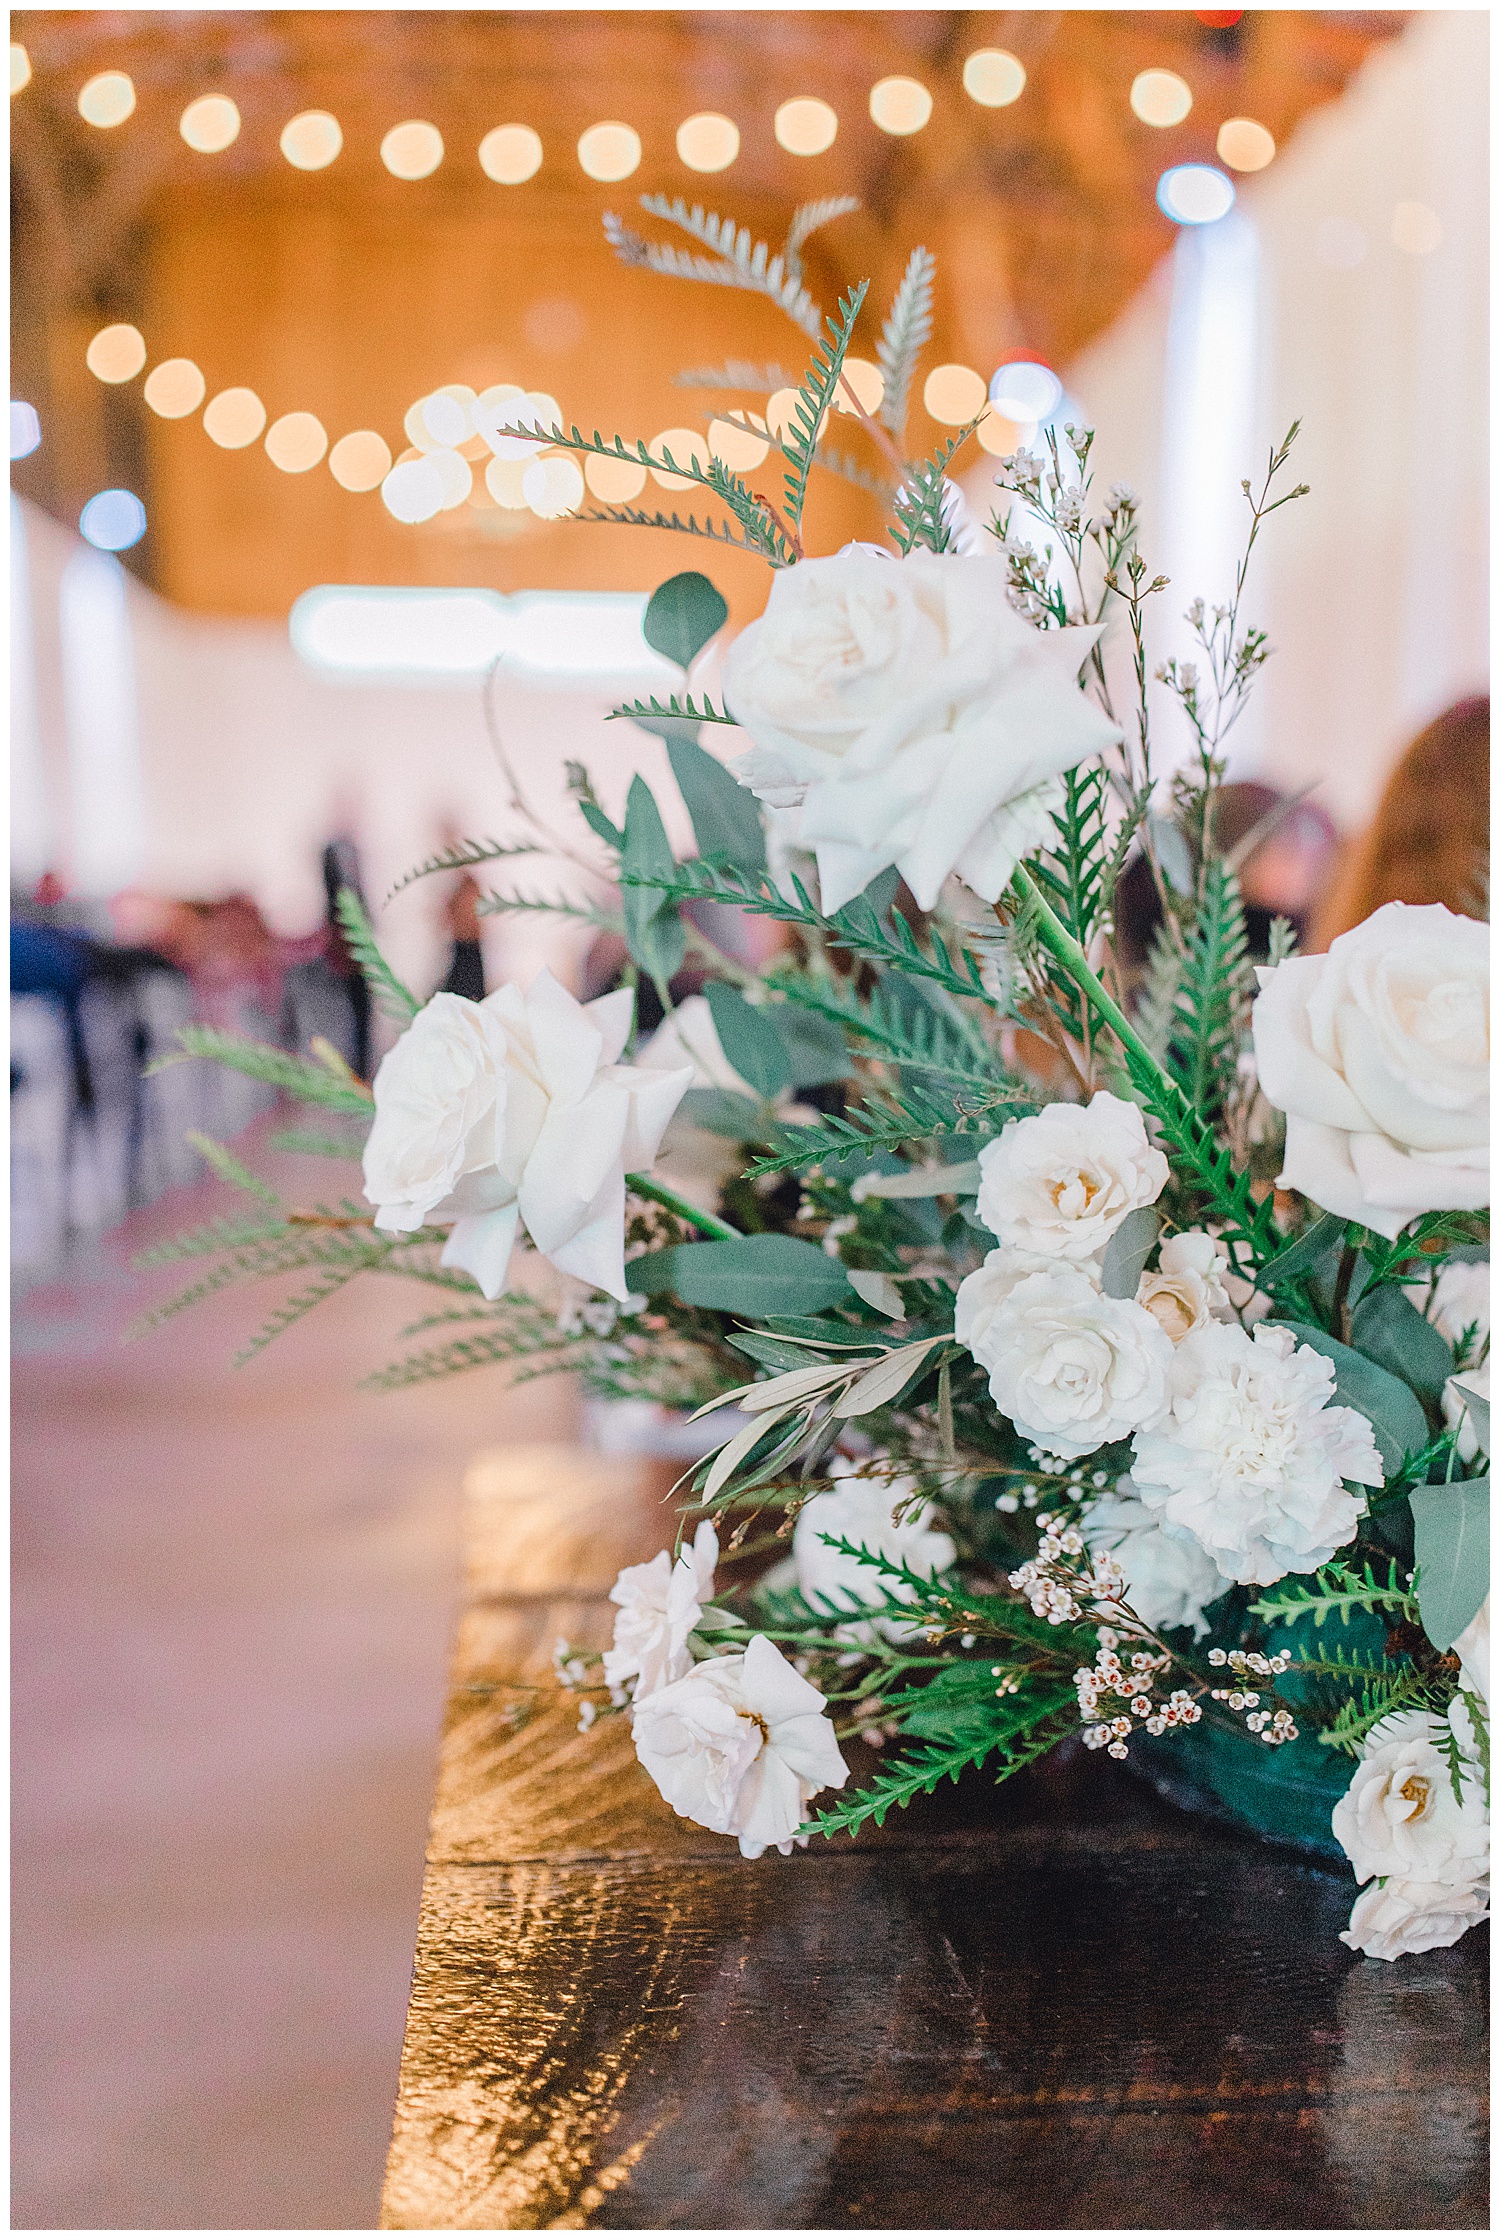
[
  {"x": 1337, "y": 1590},
  {"x": 907, "y": 329},
  {"x": 392, "y": 996},
  {"x": 326, "y": 1081},
  {"x": 738, "y": 259},
  {"x": 685, "y": 710},
  {"x": 814, "y": 397}
]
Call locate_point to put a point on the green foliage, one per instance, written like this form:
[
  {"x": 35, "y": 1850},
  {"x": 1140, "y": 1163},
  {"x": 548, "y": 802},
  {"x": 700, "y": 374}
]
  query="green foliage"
[
  {"x": 814, "y": 397},
  {"x": 1393, "y": 1332},
  {"x": 1453, "y": 1555},
  {"x": 1214, "y": 988},
  {"x": 1299, "y": 1258},
  {"x": 231, "y": 1170},
  {"x": 672, "y": 710},
  {"x": 1022, "y": 1729},
  {"x": 301, "y": 1303},
  {"x": 1336, "y": 1591},
  {"x": 918, "y": 513},
  {"x": 909, "y": 1116},
  {"x": 653, "y": 929},
  {"x": 1246, "y": 1223},
  {"x": 1389, "y": 1406},
  {"x": 1374, "y": 1696},
  {"x": 391, "y": 995},
  {"x": 737, "y": 259},
  {"x": 916, "y": 1035},
  {"x": 752, "y": 1276},
  {"x": 681, "y": 616},
  {"x": 750, "y": 1039},
  {"x": 1073, "y": 875},
  {"x": 907, "y": 329},
  {"x": 726, "y": 817},
  {"x": 325, "y": 1081},
  {"x": 222, "y": 1235},
  {"x": 1127, "y": 1252},
  {"x": 464, "y": 855}
]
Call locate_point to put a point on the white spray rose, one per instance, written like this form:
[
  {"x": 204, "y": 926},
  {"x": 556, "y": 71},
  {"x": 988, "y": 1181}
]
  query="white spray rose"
[
  {"x": 1186, "y": 1289},
  {"x": 1168, "y": 1582},
  {"x": 915, "y": 718},
  {"x": 1252, "y": 1458},
  {"x": 660, "y": 1602},
  {"x": 1459, "y": 1301},
  {"x": 1400, "y": 1816},
  {"x": 740, "y": 1745},
  {"x": 1378, "y": 1054},
  {"x": 1391, "y": 1919},
  {"x": 490, "y": 1114},
  {"x": 1061, "y": 1182},
  {"x": 862, "y": 1511},
  {"x": 1472, "y": 1649},
  {"x": 1069, "y": 1367},
  {"x": 1460, "y": 1413}
]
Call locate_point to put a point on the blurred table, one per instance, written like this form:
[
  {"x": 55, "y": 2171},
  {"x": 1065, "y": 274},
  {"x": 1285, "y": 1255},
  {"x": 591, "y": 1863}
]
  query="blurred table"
[{"x": 1053, "y": 2004}]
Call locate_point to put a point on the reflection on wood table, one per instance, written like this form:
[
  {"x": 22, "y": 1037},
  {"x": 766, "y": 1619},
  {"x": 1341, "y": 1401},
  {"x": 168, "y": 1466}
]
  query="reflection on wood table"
[{"x": 1058, "y": 2003}]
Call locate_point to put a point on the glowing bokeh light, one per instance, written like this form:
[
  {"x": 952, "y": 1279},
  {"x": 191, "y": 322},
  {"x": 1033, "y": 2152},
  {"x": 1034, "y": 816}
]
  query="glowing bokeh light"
[
  {"x": 552, "y": 487},
  {"x": 113, "y": 520},
  {"x": 609, "y": 151},
  {"x": 1415, "y": 229},
  {"x": 360, "y": 461},
  {"x": 520, "y": 409},
  {"x": 1025, "y": 391},
  {"x": 994, "y": 78},
  {"x": 234, "y": 418},
  {"x": 447, "y": 415},
  {"x": 107, "y": 99},
  {"x": 455, "y": 475},
  {"x": 806, "y": 126},
  {"x": 953, "y": 395},
  {"x": 412, "y": 150},
  {"x": 116, "y": 353},
  {"x": 739, "y": 450},
  {"x": 1195, "y": 194},
  {"x": 780, "y": 406},
  {"x": 614, "y": 481},
  {"x": 685, "y": 445},
  {"x": 511, "y": 154},
  {"x": 503, "y": 479},
  {"x": 175, "y": 388},
  {"x": 413, "y": 490},
  {"x": 311, "y": 140},
  {"x": 210, "y": 125},
  {"x": 1244, "y": 145},
  {"x": 1160, "y": 97},
  {"x": 296, "y": 442},
  {"x": 708, "y": 142},
  {"x": 866, "y": 380},
  {"x": 900, "y": 105},
  {"x": 998, "y": 435},
  {"x": 25, "y": 429},
  {"x": 20, "y": 67}
]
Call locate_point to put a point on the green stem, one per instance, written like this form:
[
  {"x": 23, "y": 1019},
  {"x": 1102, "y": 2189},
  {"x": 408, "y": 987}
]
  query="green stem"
[
  {"x": 1056, "y": 937},
  {"x": 647, "y": 1186}
]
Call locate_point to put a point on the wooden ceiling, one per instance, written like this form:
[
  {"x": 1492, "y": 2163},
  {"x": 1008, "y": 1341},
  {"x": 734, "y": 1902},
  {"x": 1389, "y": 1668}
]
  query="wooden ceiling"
[{"x": 348, "y": 292}]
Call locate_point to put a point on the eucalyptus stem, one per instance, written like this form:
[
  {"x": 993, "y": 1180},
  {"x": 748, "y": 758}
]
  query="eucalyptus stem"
[
  {"x": 647, "y": 1186},
  {"x": 1055, "y": 936}
]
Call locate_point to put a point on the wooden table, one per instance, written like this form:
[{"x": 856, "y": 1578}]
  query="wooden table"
[{"x": 1054, "y": 2004}]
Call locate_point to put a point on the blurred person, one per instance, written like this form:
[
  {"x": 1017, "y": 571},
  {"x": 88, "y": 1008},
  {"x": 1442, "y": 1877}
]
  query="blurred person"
[{"x": 1429, "y": 839}]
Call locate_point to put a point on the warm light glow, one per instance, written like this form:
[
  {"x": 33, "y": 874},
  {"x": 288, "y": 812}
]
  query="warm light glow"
[
  {"x": 360, "y": 461},
  {"x": 312, "y": 140},
  {"x": 448, "y": 415},
  {"x": 998, "y": 435},
  {"x": 210, "y": 124},
  {"x": 25, "y": 429},
  {"x": 1415, "y": 229},
  {"x": 1341, "y": 244},
  {"x": 1160, "y": 97},
  {"x": 116, "y": 353},
  {"x": 413, "y": 490},
  {"x": 107, "y": 99},
  {"x": 505, "y": 407},
  {"x": 685, "y": 444},
  {"x": 1025, "y": 391},
  {"x": 510, "y": 154},
  {"x": 609, "y": 151},
  {"x": 412, "y": 150},
  {"x": 234, "y": 418},
  {"x": 805, "y": 127},
  {"x": 900, "y": 105},
  {"x": 614, "y": 482},
  {"x": 175, "y": 388},
  {"x": 994, "y": 78},
  {"x": 296, "y": 442},
  {"x": 953, "y": 395},
  {"x": 552, "y": 487},
  {"x": 551, "y": 637},
  {"x": 114, "y": 520},
  {"x": 20, "y": 67},
  {"x": 740, "y": 451},
  {"x": 866, "y": 380},
  {"x": 503, "y": 479},
  {"x": 1195, "y": 194},
  {"x": 708, "y": 142},
  {"x": 779, "y": 409},
  {"x": 455, "y": 475},
  {"x": 1244, "y": 145}
]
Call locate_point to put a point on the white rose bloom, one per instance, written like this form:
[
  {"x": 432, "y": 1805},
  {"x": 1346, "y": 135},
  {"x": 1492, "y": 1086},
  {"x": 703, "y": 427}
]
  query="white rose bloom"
[
  {"x": 1458, "y": 1413},
  {"x": 660, "y": 1602},
  {"x": 1399, "y": 1815},
  {"x": 1186, "y": 1290},
  {"x": 1459, "y": 1300},
  {"x": 1069, "y": 1367},
  {"x": 1393, "y": 1918},
  {"x": 490, "y": 1114},
  {"x": 915, "y": 718},
  {"x": 1168, "y": 1582},
  {"x": 1378, "y": 1054},
  {"x": 862, "y": 1511},
  {"x": 1061, "y": 1182},
  {"x": 740, "y": 1745},
  {"x": 1472, "y": 1649},
  {"x": 1252, "y": 1458},
  {"x": 688, "y": 1037}
]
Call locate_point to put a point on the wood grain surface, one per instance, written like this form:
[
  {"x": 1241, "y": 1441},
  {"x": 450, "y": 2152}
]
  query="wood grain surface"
[{"x": 1056, "y": 2004}]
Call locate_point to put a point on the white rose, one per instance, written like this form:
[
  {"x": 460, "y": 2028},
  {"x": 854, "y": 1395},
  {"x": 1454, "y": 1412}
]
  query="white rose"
[
  {"x": 1186, "y": 1289},
  {"x": 1459, "y": 1414},
  {"x": 1378, "y": 1054},
  {"x": 917, "y": 720},
  {"x": 1168, "y": 1582},
  {"x": 862, "y": 1511},
  {"x": 1062, "y": 1181},
  {"x": 1472, "y": 1649},
  {"x": 660, "y": 1602},
  {"x": 490, "y": 1114},
  {"x": 1399, "y": 1815},
  {"x": 740, "y": 1745},
  {"x": 1070, "y": 1368},
  {"x": 1393, "y": 1918},
  {"x": 1459, "y": 1302},
  {"x": 1251, "y": 1460},
  {"x": 688, "y": 1037}
]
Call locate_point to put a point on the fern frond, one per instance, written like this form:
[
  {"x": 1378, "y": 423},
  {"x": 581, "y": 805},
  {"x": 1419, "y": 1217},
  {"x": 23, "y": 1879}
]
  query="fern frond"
[
  {"x": 911, "y": 1116},
  {"x": 463, "y": 856},
  {"x": 909, "y": 1035},
  {"x": 392, "y": 996},
  {"x": 1043, "y": 1713},
  {"x": 1335, "y": 1591},
  {"x": 304, "y": 1078},
  {"x": 908, "y": 326},
  {"x": 1373, "y": 1699},
  {"x": 685, "y": 710},
  {"x": 312, "y": 1145},
  {"x": 736, "y": 373},
  {"x": 323, "y": 1286},
  {"x": 484, "y": 1350},
  {"x": 1156, "y": 1010},
  {"x": 1214, "y": 992},
  {"x": 738, "y": 261},
  {"x": 222, "y": 1235},
  {"x": 231, "y": 1170},
  {"x": 552, "y": 906},
  {"x": 814, "y": 397},
  {"x": 919, "y": 516},
  {"x": 807, "y": 219}
]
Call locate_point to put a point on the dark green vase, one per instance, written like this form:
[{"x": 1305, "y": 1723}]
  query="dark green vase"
[{"x": 1285, "y": 1793}]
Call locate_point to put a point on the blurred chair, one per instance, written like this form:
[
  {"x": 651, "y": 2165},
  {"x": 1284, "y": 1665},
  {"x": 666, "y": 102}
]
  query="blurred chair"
[{"x": 1430, "y": 838}]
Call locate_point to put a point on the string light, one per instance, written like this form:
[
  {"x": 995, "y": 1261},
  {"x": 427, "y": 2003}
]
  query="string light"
[
  {"x": 1244, "y": 145},
  {"x": 234, "y": 418},
  {"x": 360, "y": 461},
  {"x": 312, "y": 140},
  {"x": 609, "y": 151},
  {"x": 1160, "y": 97},
  {"x": 107, "y": 99},
  {"x": 175, "y": 388},
  {"x": 953, "y": 395},
  {"x": 615, "y": 481},
  {"x": 505, "y": 408},
  {"x": 1195, "y": 194},
  {"x": 20, "y": 67},
  {"x": 866, "y": 380},
  {"x": 1025, "y": 391},
  {"x": 296, "y": 442},
  {"x": 900, "y": 105},
  {"x": 412, "y": 150},
  {"x": 454, "y": 474},
  {"x": 806, "y": 126},
  {"x": 210, "y": 125},
  {"x": 113, "y": 520},
  {"x": 503, "y": 479},
  {"x": 116, "y": 353},
  {"x": 25, "y": 429},
  {"x": 511, "y": 154},
  {"x": 708, "y": 142},
  {"x": 780, "y": 406},
  {"x": 736, "y": 447},
  {"x": 413, "y": 490},
  {"x": 552, "y": 487},
  {"x": 998, "y": 435},
  {"x": 994, "y": 78},
  {"x": 684, "y": 444}
]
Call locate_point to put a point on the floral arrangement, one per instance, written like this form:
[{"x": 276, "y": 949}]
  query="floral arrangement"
[{"x": 1087, "y": 1355}]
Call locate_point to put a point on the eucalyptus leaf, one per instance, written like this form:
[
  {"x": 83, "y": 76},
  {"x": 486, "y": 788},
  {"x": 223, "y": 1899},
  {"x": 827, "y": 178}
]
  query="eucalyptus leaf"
[
  {"x": 755, "y": 1276},
  {"x": 724, "y": 1112},
  {"x": 653, "y": 929},
  {"x": 1453, "y": 1555},
  {"x": 749, "y": 1039},
  {"x": 1394, "y": 1332},
  {"x": 1127, "y": 1252},
  {"x": 681, "y": 616},
  {"x": 1300, "y": 1258},
  {"x": 1477, "y": 1404},
  {"x": 818, "y": 1051},
  {"x": 594, "y": 817},
  {"x": 1390, "y": 1407},
  {"x": 726, "y": 817}
]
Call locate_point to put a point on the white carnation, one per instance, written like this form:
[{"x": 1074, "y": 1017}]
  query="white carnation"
[
  {"x": 862, "y": 1510},
  {"x": 660, "y": 1603},
  {"x": 912, "y": 715},
  {"x": 740, "y": 1745},
  {"x": 1062, "y": 1181},
  {"x": 1393, "y": 1918},
  {"x": 1069, "y": 1367},
  {"x": 1252, "y": 1458},
  {"x": 1168, "y": 1582},
  {"x": 1186, "y": 1289}
]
